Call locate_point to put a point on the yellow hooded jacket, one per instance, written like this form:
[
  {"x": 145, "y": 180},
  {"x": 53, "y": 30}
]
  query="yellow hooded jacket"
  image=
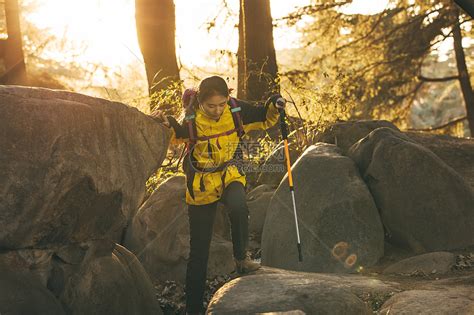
[{"x": 207, "y": 187}]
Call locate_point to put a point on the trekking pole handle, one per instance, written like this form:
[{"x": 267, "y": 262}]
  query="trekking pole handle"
[{"x": 280, "y": 104}]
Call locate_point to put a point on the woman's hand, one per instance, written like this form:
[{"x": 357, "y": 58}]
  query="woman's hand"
[
  {"x": 160, "y": 117},
  {"x": 278, "y": 101}
]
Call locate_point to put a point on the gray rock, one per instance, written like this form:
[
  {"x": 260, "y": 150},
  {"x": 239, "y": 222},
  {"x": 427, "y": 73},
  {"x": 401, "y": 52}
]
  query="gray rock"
[
  {"x": 274, "y": 167},
  {"x": 258, "y": 201},
  {"x": 283, "y": 291},
  {"x": 430, "y": 263},
  {"x": 71, "y": 254},
  {"x": 258, "y": 211},
  {"x": 456, "y": 152},
  {"x": 424, "y": 204},
  {"x": 20, "y": 293},
  {"x": 292, "y": 312},
  {"x": 339, "y": 224},
  {"x": 159, "y": 235},
  {"x": 258, "y": 191},
  {"x": 111, "y": 284},
  {"x": 443, "y": 301},
  {"x": 72, "y": 167},
  {"x": 36, "y": 262},
  {"x": 346, "y": 133},
  {"x": 108, "y": 279},
  {"x": 53, "y": 266}
]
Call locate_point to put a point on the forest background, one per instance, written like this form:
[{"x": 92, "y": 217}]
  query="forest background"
[{"x": 407, "y": 61}]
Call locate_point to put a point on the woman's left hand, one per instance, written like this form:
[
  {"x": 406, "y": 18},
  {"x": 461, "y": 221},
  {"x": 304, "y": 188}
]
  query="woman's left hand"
[{"x": 161, "y": 118}]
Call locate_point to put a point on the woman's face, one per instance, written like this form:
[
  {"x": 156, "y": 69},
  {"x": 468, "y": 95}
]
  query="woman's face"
[{"x": 215, "y": 105}]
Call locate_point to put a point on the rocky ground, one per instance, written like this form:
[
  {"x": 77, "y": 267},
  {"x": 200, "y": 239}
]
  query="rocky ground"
[{"x": 171, "y": 297}]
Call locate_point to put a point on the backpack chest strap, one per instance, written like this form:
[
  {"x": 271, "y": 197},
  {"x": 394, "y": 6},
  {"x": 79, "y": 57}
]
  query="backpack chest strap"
[{"x": 225, "y": 133}]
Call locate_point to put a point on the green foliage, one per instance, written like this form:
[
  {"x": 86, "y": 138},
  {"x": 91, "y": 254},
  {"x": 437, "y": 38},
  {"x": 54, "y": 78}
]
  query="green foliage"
[
  {"x": 371, "y": 63},
  {"x": 168, "y": 100},
  {"x": 375, "y": 300},
  {"x": 313, "y": 106},
  {"x": 162, "y": 174}
]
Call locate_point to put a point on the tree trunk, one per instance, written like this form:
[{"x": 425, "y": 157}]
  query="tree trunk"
[
  {"x": 155, "y": 20},
  {"x": 257, "y": 67},
  {"x": 15, "y": 69},
  {"x": 464, "y": 80}
]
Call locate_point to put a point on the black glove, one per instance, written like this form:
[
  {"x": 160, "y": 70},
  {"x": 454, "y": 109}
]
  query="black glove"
[{"x": 277, "y": 100}]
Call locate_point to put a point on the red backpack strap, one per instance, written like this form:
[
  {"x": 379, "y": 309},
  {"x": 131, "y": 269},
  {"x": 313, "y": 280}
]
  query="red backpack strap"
[
  {"x": 236, "y": 109},
  {"x": 190, "y": 116}
]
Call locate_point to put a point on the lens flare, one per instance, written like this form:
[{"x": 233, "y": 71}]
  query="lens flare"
[
  {"x": 350, "y": 261},
  {"x": 339, "y": 251}
]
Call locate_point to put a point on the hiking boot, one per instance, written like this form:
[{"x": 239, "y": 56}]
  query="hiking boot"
[{"x": 246, "y": 265}]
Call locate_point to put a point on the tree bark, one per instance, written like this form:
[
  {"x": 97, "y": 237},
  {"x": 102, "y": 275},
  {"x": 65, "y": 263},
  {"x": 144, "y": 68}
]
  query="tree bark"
[
  {"x": 464, "y": 80},
  {"x": 14, "y": 59},
  {"x": 156, "y": 27},
  {"x": 257, "y": 67}
]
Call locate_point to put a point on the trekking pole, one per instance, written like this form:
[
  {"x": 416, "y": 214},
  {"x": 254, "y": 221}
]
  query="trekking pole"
[{"x": 284, "y": 133}]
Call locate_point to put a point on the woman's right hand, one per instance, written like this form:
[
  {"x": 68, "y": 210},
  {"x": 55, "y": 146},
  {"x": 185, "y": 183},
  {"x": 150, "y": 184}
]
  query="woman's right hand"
[{"x": 161, "y": 118}]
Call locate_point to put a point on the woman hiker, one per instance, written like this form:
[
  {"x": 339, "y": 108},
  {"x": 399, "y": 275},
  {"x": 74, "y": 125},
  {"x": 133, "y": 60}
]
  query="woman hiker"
[{"x": 213, "y": 129}]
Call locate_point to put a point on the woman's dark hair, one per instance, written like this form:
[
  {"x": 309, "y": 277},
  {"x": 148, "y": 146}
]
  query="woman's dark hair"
[{"x": 211, "y": 86}]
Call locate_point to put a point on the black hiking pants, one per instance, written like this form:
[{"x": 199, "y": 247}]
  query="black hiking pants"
[{"x": 201, "y": 220}]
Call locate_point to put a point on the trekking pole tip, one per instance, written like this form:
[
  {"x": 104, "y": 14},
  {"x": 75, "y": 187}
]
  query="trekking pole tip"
[{"x": 300, "y": 255}]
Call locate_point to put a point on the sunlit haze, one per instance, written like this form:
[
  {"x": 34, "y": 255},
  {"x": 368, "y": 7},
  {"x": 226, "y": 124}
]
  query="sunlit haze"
[{"x": 105, "y": 29}]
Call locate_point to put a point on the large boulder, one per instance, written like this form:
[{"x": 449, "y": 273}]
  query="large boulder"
[
  {"x": 311, "y": 293},
  {"x": 22, "y": 294},
  {"x": 159, "y": 235},
  {"x": 457, "y": 300},
  {"x": 72, "y": 167},
  {"x": 345, "y": 133},
  {"x": 96, "y": 277},
  {"x": 111, "y": 284},
  {"x": 339, "y": 225},
  {"x": 424, "y": 204},
  {"x": 425, "y": 264},
  {"x": 456, "y": 152}
]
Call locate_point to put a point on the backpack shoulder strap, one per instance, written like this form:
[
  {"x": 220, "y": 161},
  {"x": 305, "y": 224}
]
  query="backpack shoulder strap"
[{"x": 188, "y": 99}]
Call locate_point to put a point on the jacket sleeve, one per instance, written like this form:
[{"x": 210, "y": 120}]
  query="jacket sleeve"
[
  {"x": 180, "y": 132},
  {"x": 258, "y": 117}
]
